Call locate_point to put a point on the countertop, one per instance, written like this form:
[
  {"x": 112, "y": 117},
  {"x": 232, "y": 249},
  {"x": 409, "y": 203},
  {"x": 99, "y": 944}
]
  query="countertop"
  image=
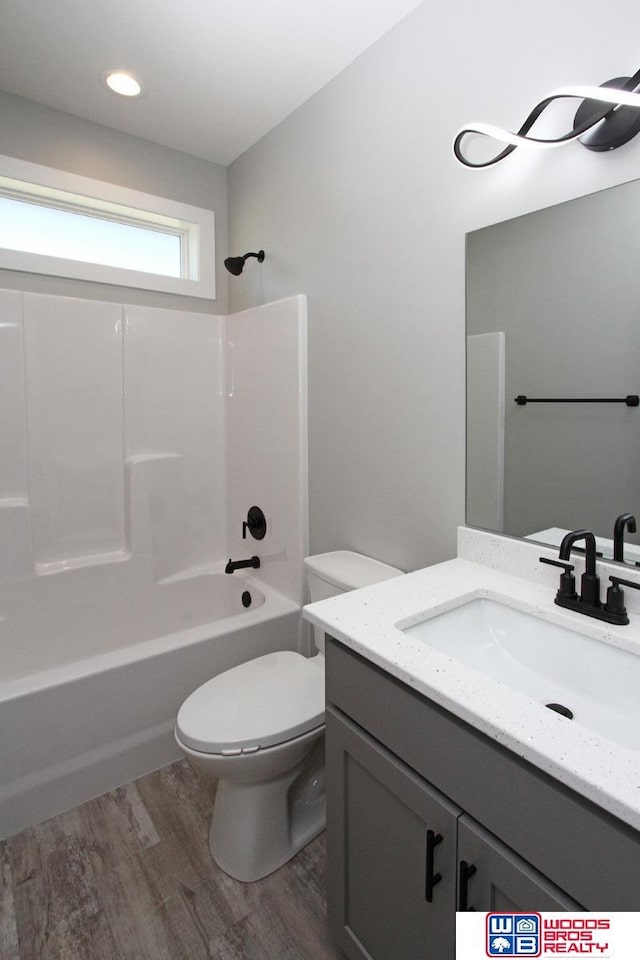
[{"x": 365, "y": 620}]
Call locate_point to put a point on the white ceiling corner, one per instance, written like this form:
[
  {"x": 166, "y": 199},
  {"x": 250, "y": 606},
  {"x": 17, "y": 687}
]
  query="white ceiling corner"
[{"x": 219, "y": 75}]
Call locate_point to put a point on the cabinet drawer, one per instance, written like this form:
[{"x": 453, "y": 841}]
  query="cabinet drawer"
[{"x": 590, "y": 854}]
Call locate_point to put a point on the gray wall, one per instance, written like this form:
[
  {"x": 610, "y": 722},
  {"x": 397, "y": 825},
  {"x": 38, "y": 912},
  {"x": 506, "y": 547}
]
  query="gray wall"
[
  {"x": 55, "y": 139},
  {"x": 359, "y": 203}
]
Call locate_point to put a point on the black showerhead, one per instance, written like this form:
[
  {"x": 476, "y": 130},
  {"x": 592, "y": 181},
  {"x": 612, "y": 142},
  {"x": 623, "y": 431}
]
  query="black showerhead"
[{"x": 235, "y": 265}]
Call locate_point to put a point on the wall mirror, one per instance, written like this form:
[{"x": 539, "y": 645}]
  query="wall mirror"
[{"x": 553, "y": 313}]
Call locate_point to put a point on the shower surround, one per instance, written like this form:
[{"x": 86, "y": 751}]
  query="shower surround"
[{"x": 133, "y": 442}]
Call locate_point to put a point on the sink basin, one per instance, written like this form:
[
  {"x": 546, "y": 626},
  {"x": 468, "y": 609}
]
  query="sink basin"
[{"x": 597, "y": 682}]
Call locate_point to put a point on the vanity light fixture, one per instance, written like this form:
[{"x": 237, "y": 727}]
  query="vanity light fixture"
[
  {"x": 122, "y": 82},
  {"x": 235, "y": 265},
  {"x": 608, "y": 117}
]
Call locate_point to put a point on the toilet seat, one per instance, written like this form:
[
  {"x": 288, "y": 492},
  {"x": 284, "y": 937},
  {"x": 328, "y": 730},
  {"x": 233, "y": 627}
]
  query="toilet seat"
[{"x": 257, "y": 704}]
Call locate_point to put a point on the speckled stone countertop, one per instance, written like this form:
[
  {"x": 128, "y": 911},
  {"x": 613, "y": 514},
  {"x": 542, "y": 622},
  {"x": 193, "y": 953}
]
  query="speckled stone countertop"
[{"x": 366, "y": 621}]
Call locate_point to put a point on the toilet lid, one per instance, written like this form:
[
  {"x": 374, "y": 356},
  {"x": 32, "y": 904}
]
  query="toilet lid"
[{"x": 260, "y": 703}]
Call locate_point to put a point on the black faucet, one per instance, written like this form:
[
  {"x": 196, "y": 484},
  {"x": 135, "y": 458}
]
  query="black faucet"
[
  {"x": 233, "y": 565},
  {"x": 590, "y": 582},
  {"x": 624, "y": 520},
  {"x": 588, "y": 602}
]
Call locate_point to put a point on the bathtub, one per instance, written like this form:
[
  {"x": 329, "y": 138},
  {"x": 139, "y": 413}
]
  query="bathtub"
[{"x": 90, "y": 685}]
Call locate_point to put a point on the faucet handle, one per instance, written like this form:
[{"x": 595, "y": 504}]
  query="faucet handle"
[
  {"x": 615, "y": 597},
  {"x": 567, "y": 589},
  {"x": 625, "y": 583},
  {"x": 567, "y": 567},
  {"x": 256, "y": 524}
]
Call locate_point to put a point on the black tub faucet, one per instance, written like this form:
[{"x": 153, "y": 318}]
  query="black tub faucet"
[
  {"x": 233, "y": 565},
  {"x": 624, "y": 520}
]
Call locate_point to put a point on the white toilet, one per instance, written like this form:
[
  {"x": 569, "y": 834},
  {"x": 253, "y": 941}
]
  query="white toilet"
[{"x": 259, "y": 729}]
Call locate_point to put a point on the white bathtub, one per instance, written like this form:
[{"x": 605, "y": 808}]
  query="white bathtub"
[{"x": 89, "y": 687}]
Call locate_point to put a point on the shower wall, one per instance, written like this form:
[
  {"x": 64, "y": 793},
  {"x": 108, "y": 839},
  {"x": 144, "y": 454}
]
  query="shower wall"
[
  {"x": 122, "y": 428},
  {"x": 266, "y": 420}
]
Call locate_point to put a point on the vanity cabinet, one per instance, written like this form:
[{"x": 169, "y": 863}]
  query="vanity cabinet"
[
  {"x": 403, "y": 858},
  {"x": 425, "y": 815}
]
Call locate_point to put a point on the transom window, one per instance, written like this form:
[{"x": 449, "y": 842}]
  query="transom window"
[{"x": 102, "y": 232}]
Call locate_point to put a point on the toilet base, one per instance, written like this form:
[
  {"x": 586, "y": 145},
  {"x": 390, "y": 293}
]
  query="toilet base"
[{"x": 258, "y": 826}]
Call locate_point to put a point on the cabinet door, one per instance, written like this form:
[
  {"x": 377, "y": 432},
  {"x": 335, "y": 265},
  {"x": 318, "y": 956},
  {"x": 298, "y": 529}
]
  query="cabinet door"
[
  {"x": 492, "y": 877},
  {"x": 391, "y": 853}
]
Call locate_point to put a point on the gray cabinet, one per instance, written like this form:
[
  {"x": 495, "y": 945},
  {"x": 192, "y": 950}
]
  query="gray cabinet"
[
  {"x": 401, "y": 773},
  {"x": 391, "y": 844},
  {"x": 402, "y": 856},
  {"x": 493, "y": 877}
]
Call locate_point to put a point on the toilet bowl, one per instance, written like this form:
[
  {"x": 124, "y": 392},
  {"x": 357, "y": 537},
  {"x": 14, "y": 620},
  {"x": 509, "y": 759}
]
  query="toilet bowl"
[{"x": 258, "y": 729}]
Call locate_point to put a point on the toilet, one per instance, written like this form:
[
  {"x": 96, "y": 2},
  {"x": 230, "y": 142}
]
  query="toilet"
[{"x": 259, "y": 730}]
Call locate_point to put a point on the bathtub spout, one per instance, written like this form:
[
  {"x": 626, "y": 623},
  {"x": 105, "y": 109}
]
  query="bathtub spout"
[{"x": 241, "y": 564}]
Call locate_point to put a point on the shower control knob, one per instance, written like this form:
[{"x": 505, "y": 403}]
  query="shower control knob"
[{"x": 255, "y": 523}]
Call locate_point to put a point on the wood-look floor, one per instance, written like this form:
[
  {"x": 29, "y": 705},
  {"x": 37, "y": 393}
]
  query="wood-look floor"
[{"x": 128, "y": 876}]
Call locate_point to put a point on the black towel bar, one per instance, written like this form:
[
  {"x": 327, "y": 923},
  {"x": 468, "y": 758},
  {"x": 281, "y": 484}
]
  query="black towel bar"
[{"x": 632, "y": 400}]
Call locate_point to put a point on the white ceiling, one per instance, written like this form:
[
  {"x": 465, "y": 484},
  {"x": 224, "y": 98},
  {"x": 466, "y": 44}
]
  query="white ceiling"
[{"x": 219, "y": 74}]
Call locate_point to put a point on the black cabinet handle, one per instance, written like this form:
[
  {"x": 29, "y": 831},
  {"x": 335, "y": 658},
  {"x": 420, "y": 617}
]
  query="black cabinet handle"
[
  {"x": 433, "y": 839},
  {"x": 467, "y": 870}
]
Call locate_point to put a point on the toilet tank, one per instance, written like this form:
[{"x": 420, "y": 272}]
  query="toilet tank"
[{"x": 329, "y": 574}]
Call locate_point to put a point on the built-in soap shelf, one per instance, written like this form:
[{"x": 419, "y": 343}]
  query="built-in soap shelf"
[{"x": 77, "y": 563}]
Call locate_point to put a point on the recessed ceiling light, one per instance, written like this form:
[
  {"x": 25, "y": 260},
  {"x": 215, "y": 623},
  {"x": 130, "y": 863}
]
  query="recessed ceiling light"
[{"x": 122, "y": 82}]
